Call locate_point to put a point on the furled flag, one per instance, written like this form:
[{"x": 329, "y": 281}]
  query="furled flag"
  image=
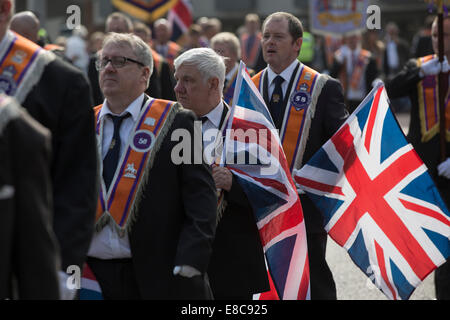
[
  {"x": 252, "y": 139},
  {"x": 145, "y": 10},
  {"x": 180, "y": 18},
  {"x": 378, "y": 200},
  {"x": 90, "y": 288}
]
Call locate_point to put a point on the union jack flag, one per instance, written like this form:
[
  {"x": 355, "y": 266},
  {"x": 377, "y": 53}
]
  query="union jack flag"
[
  {"x": 378, "y": 199},
  {"x": 270, "y": 189},
  {"x": 180, "y": 18}
]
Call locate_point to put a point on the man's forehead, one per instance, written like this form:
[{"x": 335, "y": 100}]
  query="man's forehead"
[{"x": 276, "y": 24}]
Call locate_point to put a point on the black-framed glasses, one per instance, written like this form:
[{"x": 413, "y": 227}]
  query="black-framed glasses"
[{"x": 117, "y": 62}]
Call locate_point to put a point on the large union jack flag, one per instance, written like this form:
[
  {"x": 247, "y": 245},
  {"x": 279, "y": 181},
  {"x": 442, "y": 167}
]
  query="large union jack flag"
[
  {"x": 270, "y": 189},
  {"x": 378, "y": 199}
]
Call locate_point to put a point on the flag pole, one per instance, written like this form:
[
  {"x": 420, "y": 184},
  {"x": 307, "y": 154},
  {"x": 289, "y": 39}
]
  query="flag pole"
[{"x": 441, "y": 80}]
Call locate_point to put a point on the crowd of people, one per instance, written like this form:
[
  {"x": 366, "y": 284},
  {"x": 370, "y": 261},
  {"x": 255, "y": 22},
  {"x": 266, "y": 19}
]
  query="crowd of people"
[{"x": 102, "y": 191}]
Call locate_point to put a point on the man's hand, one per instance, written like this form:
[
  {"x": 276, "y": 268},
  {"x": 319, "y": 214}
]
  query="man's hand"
[
  {"x": 433, "y": 67},
  {"x": 222, "y": 177},
  {"x": 444, "y": 168}
]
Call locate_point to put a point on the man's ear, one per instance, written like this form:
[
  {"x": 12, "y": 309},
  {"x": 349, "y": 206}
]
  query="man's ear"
[
  {"x": 146, "y": 73},
  {"x": 213, "y": 83}
]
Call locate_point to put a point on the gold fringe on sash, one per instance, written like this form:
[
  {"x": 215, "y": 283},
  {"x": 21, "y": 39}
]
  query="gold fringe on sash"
[
  {"x": 9, "y": 110},
  {"x": 320, "y": 82},
  {"x": 33, "y": 75},
  {"x": 151, "y": 158}
]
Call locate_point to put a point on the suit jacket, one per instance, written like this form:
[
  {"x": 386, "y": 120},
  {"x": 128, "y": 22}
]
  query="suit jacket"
[
  {"x": 329, "y": 116},
  {"x": 175, "y": 223},
  {"x": 61, "y": 102},
  {"x": 405, "y": 84},
  {"x": 237, "y": 267},
  {"x": 28, "y": 248},
  {"x": 403, "y": 55}
]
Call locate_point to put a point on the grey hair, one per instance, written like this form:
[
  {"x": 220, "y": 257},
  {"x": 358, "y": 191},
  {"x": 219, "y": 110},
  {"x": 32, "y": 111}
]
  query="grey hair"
[
  {"x": 139, "y": 47},
  {"x": 230, "y": 39},
  {"x": 207, "y": 61}
]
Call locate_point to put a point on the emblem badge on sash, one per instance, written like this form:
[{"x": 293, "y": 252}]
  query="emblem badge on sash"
[
  {"x": 301, "y": 99},
  {"x": 130, "y": 171},
  {"x": 7, "y": 83},
  {"x": 143, "y": 141}
]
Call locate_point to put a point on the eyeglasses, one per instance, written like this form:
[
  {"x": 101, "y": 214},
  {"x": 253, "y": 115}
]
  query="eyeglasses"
[{"x": 117, "y": 62}]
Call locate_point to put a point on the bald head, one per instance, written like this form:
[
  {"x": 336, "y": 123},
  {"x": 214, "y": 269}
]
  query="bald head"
[{"x": 26, "y": 24}]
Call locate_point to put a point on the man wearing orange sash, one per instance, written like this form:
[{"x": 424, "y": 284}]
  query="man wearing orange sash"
[
  {"x": 307, "y": 108},
  {"x": 251, "y": 40},
  {"x": 58, "y": 96},
  {"x": 356, "y": 68},
  {"x": 237, "y": 268},
  {"x": 28, "y": 250},
  {"x": 419, "y": 81},
  {"x": 156, "y": 216},
  {"x": 227, "y": 45},
  {"x": 162, "y": 43}
]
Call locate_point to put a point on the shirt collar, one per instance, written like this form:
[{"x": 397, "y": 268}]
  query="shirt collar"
[
  {"x": 216, "y": 114},
  {"x": 134, "y": 109},
  {"x": 286, "y": 74},
  {"x": 230, "y": 74}
]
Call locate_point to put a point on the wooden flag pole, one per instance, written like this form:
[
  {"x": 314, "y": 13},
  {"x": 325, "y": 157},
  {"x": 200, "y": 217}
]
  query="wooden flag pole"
[{"x": 441, "y": 80}]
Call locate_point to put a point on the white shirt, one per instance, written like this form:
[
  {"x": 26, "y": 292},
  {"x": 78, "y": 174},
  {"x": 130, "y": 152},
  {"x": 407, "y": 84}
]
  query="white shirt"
[
  {"x": 392, "y": 54},
  {"x": 107, "y": 244},
  {"x": 285, "y": 74},
  {"x": 210, "y": 132},
  {"x": 230, "y": 74}
]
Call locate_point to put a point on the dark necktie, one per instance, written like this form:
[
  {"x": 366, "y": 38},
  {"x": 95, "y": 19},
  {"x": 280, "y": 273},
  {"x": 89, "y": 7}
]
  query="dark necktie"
[
  {"x": 113, "y": 155},
  {"x": 276, "y": 102},
  {"x": 203, "y": 119}
]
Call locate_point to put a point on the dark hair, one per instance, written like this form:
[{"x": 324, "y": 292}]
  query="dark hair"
[{"x": 294, "y": 24}]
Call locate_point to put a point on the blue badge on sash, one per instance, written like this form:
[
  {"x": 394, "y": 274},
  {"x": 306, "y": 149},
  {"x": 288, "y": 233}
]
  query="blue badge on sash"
[
  {"x": 301, "y": 99},
  {"x": 143, "y": 141},
  {"x": 7, "y": 83}
]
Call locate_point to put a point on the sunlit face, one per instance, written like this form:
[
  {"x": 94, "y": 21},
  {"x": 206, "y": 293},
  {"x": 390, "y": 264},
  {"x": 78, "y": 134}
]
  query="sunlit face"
[
  {"x": 191, "y": 91},
  {"x": 225, "y": 50},
  {"x": 279, "y": 47},
  {"x": 128, "y": 81},
  {"x": 434, "y": 37}
]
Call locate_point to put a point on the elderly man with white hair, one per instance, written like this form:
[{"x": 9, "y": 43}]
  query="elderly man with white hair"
[{"x": 237, "y": 267}]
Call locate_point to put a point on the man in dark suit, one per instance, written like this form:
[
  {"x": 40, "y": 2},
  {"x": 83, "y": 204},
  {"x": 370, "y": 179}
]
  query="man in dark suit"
[
  {"x": 307, "y": 108},
  {"x": 418, "y": 80},
  {"x": 28, "y": 250},
  {"x": 237, "y": 268},
  {"x": 58, "y": 96},
  {"x": 157, "y": 207}
]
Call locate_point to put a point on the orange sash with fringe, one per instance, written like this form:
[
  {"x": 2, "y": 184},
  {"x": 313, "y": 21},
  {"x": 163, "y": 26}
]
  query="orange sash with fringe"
[
  {"x": 428, "y": 100},
  {"x": 118, "y": 203}
]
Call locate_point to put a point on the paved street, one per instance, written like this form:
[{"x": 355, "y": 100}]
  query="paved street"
[{"x": 352, "y": 283}]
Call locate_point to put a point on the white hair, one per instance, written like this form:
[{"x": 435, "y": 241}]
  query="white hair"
[
  {"x": 207, "y": 61},
  {"x": 228, "y": 39}
]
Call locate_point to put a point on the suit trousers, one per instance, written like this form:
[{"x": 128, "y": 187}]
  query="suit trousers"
[
  {"x": 321, "y": 278},
  {"x": 116, "y": 278}
]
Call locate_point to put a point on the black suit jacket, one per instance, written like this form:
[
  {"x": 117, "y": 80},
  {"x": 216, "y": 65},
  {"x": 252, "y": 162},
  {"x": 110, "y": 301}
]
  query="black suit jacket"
[
  {"x": 176, "y": 222},
  {"x": 237, "y": 268},
  {"x": 61, "y": 102},
  {"x": 405, "y": 84},
  {"x": 28, "y": 249}
]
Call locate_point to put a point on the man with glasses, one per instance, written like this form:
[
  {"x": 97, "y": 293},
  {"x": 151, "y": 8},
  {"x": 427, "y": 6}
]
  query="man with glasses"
[{"x": 156, "y": 219}]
